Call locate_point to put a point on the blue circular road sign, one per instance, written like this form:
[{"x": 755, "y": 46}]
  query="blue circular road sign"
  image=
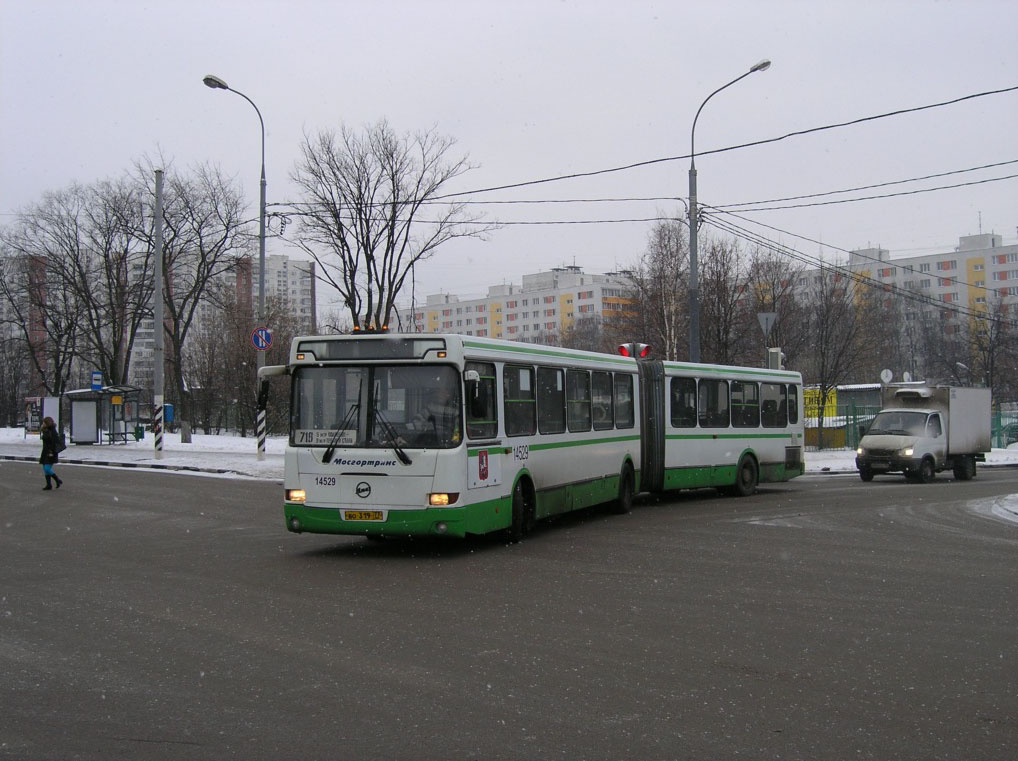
[{"x": 261, "y": 338}]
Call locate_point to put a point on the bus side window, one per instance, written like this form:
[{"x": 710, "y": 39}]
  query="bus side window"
[
  {"x": 683, "y": 411},
  {"x": 793, "y": 404},
  {"x": 745, "y": 405},
  {"x": 520, "y": 407},
  {"x": 773, "y": 405},
  {"x": 551, "y": 400},
  {"x": 601, "y": 384},
  {"x": 625, "y": 413},
  {"x": 578, "y": 400},
  {"x": 482, "y": 411},
  {"x": 714, "y": 410}
]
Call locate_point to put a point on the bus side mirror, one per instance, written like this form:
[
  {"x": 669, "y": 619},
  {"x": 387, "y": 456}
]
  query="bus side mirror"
[
  {"x": 264, "y": 373},
  {"x": 475, "y": 402}
]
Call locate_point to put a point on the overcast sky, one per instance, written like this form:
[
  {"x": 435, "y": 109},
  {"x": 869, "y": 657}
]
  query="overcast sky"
[{"x": 532, "y": 89}]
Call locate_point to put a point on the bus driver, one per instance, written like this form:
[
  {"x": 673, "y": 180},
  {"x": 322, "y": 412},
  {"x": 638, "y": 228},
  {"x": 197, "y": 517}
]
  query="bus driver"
[{"x": 439, "y": 417}]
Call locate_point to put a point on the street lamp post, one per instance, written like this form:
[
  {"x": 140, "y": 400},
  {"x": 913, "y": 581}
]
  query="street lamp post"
[
  {"x": 694, "y": 275},
  {"x": 218, "y": 84}
]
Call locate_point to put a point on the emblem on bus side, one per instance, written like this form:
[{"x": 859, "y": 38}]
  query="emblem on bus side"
[{"x": 363, "y": 490}]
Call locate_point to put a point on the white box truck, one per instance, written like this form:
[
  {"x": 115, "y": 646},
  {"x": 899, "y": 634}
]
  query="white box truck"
[{"x": 923, "y": 430}]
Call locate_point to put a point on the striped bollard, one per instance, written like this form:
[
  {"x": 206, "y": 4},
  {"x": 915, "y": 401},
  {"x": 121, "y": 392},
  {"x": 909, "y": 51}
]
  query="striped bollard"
[
  {"x": 260, "y": 433},
  {"x": 158, "y": 421}
]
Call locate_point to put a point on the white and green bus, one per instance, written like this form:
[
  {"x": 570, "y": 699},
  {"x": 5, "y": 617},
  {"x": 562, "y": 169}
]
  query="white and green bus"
[{"x": 420, "y": 434}]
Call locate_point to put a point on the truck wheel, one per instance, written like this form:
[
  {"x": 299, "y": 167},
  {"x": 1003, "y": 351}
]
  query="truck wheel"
[
  {"x": 965, "y": 469},
  {"x": 866, "y": 474},
  {"x": 926, "y": 471}
]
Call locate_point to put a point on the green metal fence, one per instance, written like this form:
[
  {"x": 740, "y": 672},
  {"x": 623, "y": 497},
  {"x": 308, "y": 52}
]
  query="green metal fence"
[{"x": 843, "y": 430}]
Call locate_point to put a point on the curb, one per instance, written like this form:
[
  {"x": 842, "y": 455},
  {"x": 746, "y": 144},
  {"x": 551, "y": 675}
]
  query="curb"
[{"x": 150, "y": 466}]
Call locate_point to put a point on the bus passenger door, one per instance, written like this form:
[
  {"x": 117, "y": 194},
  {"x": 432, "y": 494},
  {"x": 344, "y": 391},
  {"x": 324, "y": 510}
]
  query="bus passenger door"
[{"x": 485, "y": 451}]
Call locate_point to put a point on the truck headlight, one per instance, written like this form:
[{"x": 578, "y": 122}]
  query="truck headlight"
[
  {"x": 907, "y": 451},
  {"x": 860, "y": 450}
]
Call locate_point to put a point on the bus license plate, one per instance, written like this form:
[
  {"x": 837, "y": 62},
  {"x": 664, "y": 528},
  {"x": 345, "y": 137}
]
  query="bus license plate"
[{"x": 363, "y": 515}]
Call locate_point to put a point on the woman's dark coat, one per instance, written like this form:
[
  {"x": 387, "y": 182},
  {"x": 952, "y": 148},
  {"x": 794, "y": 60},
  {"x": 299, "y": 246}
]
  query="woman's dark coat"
[{"x": 49, "y": 447}]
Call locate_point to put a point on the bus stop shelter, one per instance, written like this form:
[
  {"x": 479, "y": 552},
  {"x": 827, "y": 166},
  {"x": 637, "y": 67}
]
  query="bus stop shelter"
[{"x": 104, "y": 416}]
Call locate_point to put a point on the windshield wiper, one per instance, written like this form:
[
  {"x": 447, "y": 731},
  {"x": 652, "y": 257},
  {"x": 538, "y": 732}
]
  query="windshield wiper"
[
  {"x": 390, "y": 432},
  {"x": 343, "y": 426}
]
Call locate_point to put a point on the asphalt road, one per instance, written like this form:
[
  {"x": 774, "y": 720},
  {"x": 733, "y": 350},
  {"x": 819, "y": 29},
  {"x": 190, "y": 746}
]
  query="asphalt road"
[{"x": 146, "y": 615}]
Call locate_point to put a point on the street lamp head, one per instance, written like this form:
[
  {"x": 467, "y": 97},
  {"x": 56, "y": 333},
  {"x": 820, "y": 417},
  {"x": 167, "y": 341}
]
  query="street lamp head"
[
  {"x": 215, "y": 82},
  {"x": 762, "y": 66}
]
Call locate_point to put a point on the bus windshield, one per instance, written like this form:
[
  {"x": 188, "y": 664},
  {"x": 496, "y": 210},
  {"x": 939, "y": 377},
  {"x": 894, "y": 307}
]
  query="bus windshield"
[{"x": 376, "y": 406}]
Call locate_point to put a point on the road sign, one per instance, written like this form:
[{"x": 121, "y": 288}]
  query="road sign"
[
  {"x": 97, "y": 380},
  {"x": 261, "y": 338}
]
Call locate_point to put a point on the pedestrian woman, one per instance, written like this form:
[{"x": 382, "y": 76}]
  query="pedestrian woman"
[{"x": 50, "y": 449}]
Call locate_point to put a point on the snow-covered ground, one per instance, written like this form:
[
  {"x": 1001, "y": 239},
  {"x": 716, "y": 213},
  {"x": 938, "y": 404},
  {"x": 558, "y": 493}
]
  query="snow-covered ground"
[{"x": 235, "y": 456}]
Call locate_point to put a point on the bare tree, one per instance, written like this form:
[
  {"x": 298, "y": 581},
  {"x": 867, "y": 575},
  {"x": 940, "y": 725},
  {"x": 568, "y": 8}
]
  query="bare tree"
[
  {"x": 834, "y": 335},
  {"x": 589, "y": 334},
  {"x": 725, "y": 325},
  {"x": 13, "y": 376},
  {"x": 204, "y": 236},
  {"x": 772, "y": 283},
  {"x": 37, "y": 308},
  {"x": 373, "y": 209},
  {"x": 86, "y": 236},
  {"x": 660, "y": 282}
]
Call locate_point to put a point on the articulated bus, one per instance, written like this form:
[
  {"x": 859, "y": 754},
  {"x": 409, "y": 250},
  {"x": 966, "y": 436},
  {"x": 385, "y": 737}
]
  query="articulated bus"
[{"x": 421, "y": 434}]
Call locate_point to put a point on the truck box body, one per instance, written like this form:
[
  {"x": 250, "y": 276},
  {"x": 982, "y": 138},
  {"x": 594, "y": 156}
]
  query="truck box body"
[{"x": 966, "y": 412}]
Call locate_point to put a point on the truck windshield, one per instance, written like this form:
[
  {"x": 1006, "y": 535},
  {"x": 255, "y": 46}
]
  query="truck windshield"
[
  {"x": 899, "y": 423},
  {"x": 376, "y": 407}
]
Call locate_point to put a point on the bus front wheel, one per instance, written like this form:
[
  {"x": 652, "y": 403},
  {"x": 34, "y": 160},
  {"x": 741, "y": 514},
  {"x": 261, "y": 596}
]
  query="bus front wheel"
[{"x": 523, "y": 513}]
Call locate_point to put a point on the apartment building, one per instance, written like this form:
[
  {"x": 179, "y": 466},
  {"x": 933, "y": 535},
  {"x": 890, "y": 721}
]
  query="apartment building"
[
  {"x": 539, "y": 310},
  {"x": 979, "y": 272}
]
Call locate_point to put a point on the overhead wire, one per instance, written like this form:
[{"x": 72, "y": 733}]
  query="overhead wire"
[
  {"x": 856, "y": 253},
  {"x": 765, "y": 141},
  {"x": 845, "y": 271}
]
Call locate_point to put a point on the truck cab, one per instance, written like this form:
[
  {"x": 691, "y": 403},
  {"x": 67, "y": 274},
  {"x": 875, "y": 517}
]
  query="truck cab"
[{"x": 901, "y": 441}]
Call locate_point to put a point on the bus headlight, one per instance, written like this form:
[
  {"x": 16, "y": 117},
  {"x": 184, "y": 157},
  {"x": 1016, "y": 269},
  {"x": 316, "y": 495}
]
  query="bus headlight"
[
  {"x": 443, "y": 499},
  {"x": 295, "y": 495}
]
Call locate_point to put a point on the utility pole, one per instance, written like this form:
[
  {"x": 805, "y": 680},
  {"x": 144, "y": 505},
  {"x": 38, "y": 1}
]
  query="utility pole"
[{"x": 157, "y": 320}]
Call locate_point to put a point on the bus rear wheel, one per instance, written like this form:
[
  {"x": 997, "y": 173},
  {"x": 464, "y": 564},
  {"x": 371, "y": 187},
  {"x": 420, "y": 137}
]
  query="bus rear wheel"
[
  {"x": 624, "y": 503},
  {"x": 746, "y": 476},
  {"x": 523, "y": 513}
]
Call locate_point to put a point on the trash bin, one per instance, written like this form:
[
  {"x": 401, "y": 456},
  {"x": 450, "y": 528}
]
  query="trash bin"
[{"x": 139, "y": 432}]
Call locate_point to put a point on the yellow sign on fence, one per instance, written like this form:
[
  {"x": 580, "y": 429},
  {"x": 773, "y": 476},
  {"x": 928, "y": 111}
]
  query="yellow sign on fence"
[{"x": 811, "y": 401}]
